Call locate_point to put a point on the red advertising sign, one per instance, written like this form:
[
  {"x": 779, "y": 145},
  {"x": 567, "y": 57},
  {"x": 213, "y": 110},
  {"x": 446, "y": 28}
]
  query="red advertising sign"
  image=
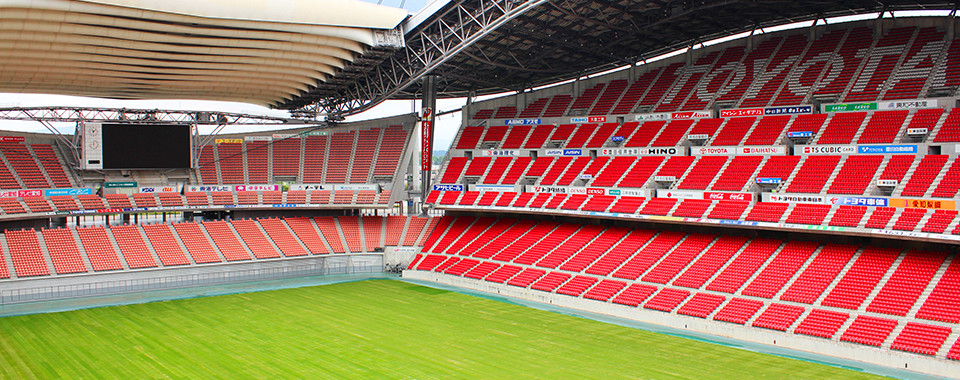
[
  {"x": 595, "y": 191},
  {"x": 426, "y": 125},
  {"x": 727, "y": 196},
  {"x": 742, "y": 112},
  {"x": 11, "y": 138}
]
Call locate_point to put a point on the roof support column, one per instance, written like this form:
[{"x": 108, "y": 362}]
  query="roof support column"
[{"x": 428, "y": 109}]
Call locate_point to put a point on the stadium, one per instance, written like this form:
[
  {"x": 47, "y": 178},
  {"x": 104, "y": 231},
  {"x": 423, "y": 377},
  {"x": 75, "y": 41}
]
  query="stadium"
[{"x": 632, "y": 189}]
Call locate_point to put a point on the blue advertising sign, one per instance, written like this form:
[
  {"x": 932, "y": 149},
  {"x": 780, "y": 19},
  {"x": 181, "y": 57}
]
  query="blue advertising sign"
[
  {"x": 882, "y": 149},
  {"x": 447, "y": 187},
  {"x": 572, "y": 152},
  {"x": 56, "y": 192},
  {"x": 800, "y": 134},
  {"x": 522, "y": 121},
  {"x": 769, "y": 180}
]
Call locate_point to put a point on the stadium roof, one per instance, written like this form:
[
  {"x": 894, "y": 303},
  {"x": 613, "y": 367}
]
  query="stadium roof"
[
  {"x": 555, "y": 40},
  {"x": 345, "y": 56},
  {"x": 255, "y": 51}
]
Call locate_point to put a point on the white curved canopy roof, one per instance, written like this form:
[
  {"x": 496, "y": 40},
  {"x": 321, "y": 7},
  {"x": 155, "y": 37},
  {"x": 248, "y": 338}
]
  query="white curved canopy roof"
[{"x": 253, "y": 51}]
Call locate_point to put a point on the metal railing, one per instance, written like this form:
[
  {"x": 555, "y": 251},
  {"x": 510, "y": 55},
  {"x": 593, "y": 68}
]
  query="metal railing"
[{"x": 127, "y": 286}]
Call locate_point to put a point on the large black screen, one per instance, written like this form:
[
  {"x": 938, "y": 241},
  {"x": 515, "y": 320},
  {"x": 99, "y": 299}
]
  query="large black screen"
[{"x": 131, "y": 146}]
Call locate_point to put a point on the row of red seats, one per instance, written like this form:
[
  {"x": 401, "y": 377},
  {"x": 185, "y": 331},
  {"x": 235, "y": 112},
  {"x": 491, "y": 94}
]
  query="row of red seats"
[
  {"x": 729, "y": 277},
  {"x": 879, "y": 127},
  {"x": 37, "y": 166},
  {"x": 98, "y": 249},
  {"x": 840, "y": 59},
  {"x": 375, "y": 152},
  {"x": 852, "y": 175},
  {"x": 151, "y": 200},
  {"x": 937, "y": 221}
]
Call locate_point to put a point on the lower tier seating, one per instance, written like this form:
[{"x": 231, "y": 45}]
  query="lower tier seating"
[
  {"x": 71, "y": 251},
  {"x": 881, "y": 297}
]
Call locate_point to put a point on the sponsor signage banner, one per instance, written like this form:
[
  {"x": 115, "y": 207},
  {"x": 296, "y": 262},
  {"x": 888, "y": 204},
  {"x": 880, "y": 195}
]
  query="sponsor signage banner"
[
  {"x": 699, "y": 136},
  {"x": 159, "y": 189},
  {"x": 652, "y": 116},
  {"x": 800, "y": 134},
  {"x": 284, "y": 136},
  {"x": 934, "y": 204},
  {"x": 502, "y": 153},
  {"x": 11, "y": 138},
  {"x": 111, "y": 185},
  {"x": 493, "y": 187},
  {"x": 713, "y": 151},
  {"x": 305, "y": 187},
  {"x": 208, "y": 188},
  {"x": 690, "y": 115},
  {"x": 356, "y": 187},
  {"x": 546, "y": 189},
  {"x": 586, "y": 176},
  {"x": 917, "y": 131},
  {"x": 887, "y": 182},
  {"x": 787, "y": 110},
  {"x": 849, "y": 107},
  {"x": 564, "y": 152},
  {"x": 742, "y": 112},
  {"x": 885, "y": 105},
  {"x": 859, "y": 201},
  {"x": 55, "y": 192},
  {"x": 827, "y": 149},
  {"x": 664, "y": 178},
  {"x": 908, "y": 104},
  {"x": 258, "y": 138},
  {"x": 766, "y": 111},
  {"x": 21, "y": 193},
  {"x": 632, "y": 193},
  {"x": 670, "y": 151},
  {"x": 679, "y": 194},
  {"x": 769, "y": 180},
  {"x": 762, "y": 150},
  {"x": 711, "y": 195},
  {"x": 228, "y": 141},
  {"x": 447, "y": 187},
  {"x": 257, "y": 188},
  {"x": 620, "y": 152},
  {"x": 426, "y": 130},
  {"x": 881, "y": 149},
  {"x": 793, "y": 198},
  {"x": 708, "y": 195},
  {"x": 614, "y": 192},
  {"x": 588, "y": 119},
  {"x": 739, "y": 151},
  {"x": 316, "y": 133},
  {"x": 616, "y": 138},
  {"x": 521, "y": 121}
]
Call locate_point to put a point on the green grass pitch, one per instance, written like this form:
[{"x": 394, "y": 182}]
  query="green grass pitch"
[{"x": 367, "y": 329}]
